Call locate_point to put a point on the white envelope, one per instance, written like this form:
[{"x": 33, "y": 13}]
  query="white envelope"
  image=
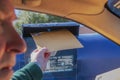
[{"x": 110, "y": 75}]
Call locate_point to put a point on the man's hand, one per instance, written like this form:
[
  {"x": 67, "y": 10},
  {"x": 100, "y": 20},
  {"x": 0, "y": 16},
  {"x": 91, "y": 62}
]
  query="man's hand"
[{"x": 40, "y": 57}]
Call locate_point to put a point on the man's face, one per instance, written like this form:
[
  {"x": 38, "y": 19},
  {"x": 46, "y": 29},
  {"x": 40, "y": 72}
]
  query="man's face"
[{"x": 10, "y": 42}]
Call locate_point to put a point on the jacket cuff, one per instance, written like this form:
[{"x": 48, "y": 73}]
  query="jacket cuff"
[{"x": 34, "y": 70}]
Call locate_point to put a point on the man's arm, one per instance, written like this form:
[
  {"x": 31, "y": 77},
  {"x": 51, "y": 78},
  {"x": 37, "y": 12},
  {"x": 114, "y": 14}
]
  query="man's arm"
[
  {"x": 30, "y": 72},
  {"x": 33, "y": 70}
]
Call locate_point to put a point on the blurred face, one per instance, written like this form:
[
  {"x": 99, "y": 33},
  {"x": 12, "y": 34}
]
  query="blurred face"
[{"x": 10, "y": 42}]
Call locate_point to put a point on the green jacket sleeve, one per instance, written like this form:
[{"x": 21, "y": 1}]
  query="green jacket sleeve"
[{"x": 30, "y": 72}]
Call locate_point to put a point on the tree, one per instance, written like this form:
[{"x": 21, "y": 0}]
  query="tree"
[{"x": 29, "y": 17}]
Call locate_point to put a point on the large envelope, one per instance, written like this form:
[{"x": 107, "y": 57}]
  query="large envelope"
[{"x": 56, "y": 40}]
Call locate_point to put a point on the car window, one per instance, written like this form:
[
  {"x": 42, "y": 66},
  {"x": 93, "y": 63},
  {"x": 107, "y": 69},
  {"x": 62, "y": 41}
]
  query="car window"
[{"x": 64, "y": 61}]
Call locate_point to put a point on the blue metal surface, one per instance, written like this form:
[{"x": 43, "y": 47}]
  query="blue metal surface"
[{"x": 98, "y": 56}]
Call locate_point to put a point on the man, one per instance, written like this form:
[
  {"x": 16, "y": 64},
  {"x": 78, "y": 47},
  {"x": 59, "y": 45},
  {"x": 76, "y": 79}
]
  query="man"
[{"x": 11, "y": 44}]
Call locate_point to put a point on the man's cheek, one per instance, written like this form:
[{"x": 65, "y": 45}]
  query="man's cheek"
[{"x": 2, "y": 50}]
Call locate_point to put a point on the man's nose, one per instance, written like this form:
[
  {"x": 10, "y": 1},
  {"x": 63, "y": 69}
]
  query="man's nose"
[{"x": 15, "y": 43}]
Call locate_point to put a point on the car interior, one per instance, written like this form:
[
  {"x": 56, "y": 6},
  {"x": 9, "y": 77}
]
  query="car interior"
[{"x": 95, "y": 23}]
